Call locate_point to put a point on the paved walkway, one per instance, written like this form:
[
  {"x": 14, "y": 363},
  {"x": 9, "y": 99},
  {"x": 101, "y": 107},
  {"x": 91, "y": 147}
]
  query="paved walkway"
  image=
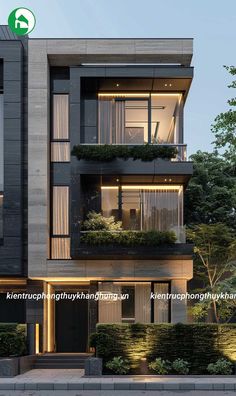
[{"x": 72, "y": 379}]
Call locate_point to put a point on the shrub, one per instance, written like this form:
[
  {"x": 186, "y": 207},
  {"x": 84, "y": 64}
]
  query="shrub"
[
  {"x": 129, "y": 238},
  {"x": 222, "y": 366},
  {"x": 105, "y": 153},
  {"x": 118, "y": 365},
  {"x": 160, "y": 366},
  {"x": 180, "y": 366},
  {"x": 197, "y": 344},
  {"x": 12, "y": 344},
  {"x": 95, "y": 222}
]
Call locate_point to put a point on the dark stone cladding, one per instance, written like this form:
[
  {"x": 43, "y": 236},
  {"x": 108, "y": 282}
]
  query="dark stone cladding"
[{"x": 13, "y": 53}]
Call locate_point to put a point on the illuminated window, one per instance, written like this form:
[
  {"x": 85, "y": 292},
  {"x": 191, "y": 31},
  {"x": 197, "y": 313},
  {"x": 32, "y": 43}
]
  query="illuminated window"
[
  {"x": 60, "y": 152},
  {"x": 145, "y": 207},
  {"x": 60, "y": 117},
  {"x": 60, "y": 242},
  {"x": 60, "y": 210},
  {"x": 60, "y": 145}
]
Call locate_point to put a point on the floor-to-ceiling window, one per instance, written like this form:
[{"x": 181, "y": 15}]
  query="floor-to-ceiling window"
[
  {"x": 145, "y": 207},
  {"x": 140, "y": 118},
  {"x": 60, "y": 152},
  {"x": 130, "y": 302}
]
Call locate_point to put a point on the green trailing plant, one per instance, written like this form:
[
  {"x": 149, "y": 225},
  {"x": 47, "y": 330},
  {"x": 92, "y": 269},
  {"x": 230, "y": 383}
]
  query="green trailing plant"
[
  {"x": 180, "y": 366},
  {"x": 106, "y": 153},
  {"x": 222, "y": 366},
  {"x": 95, "y": 222},
  {"x": 129, "y": 238},
  {"x": 118, "y": 365},
  {"x": 160, "y": 366}
]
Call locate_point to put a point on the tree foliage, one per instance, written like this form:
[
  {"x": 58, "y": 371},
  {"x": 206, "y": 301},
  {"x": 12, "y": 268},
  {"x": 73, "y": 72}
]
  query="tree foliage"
[
  {"x": 215, "y": 265},
  {"x": 211, "y": 194},
  {"x": 224, "y": 127}
]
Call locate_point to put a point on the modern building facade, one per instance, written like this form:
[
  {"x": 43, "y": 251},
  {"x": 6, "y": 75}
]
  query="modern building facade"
[{"x": 62, "y": 93}]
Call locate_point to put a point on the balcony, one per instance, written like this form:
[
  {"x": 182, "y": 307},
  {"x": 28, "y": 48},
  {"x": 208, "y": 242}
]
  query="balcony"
[
  {"x": 143, "y": 152},
  {"x": 165, "y": 251}
]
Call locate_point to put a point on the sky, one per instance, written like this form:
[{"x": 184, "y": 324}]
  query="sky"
[{"x": 211, "y": 23}]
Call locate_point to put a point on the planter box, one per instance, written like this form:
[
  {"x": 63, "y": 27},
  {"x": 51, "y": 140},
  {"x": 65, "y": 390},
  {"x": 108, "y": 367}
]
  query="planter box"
[
  {"x": 178, "y": 251},
  {"x": 93, "y": 366},
  {"x": 9, "y": 367},
  {"x": 26, "y": 363}
]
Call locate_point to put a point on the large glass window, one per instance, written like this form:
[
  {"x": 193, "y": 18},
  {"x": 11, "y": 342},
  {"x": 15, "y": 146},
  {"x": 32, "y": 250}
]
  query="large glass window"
[
  {"x": 137, "y": 308},
  {"x": 165, "y": 118},
  {"x": 122, "y": 120},
  {"x": 1, "y": 165},
  {"x": 125, "y": 119},
  {"x": 145, "y": 207}
]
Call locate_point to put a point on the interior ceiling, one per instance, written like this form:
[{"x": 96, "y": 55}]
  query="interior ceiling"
[
  {"x": 144, "y": 84},
  {"x": 115, "y": 180}
]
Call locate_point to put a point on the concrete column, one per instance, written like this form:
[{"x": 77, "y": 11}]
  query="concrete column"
[{"x": 179, "y": 307}]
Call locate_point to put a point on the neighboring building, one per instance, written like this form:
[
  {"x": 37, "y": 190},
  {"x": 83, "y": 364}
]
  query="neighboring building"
[{"x": 93, "y": 91}]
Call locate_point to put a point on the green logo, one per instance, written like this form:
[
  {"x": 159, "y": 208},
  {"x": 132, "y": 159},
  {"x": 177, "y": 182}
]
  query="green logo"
[{"x": 21, "y": 21}]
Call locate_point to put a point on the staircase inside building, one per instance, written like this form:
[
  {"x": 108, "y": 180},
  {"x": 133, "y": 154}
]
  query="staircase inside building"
[{"x": 61, "y": 360}]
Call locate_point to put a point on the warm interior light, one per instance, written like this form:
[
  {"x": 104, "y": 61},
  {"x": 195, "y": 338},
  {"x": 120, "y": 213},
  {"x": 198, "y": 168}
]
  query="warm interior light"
[
  {"x": 37, "y": 338},
  {"x": 167, "y": 94},
  {"x": 124, "y": 94},
  {"x": 157, "y": 187}
]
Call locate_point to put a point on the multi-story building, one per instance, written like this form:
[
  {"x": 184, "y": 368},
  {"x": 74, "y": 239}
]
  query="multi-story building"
[{"x": 87, "y": 93}]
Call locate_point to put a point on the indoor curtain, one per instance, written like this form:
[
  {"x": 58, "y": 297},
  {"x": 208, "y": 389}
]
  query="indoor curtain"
[
  {"x": 120, "y": 122},
  {"x": 161, "y": 306},
  {"x": 105, "y": 107},
  {"x": 142, "y": 303},
  {"x": 60, "y": 210},
  {"x": 109, "y": 311},
  {"x": 60, "y": 117},
  {"x": 159, "y": 209}
]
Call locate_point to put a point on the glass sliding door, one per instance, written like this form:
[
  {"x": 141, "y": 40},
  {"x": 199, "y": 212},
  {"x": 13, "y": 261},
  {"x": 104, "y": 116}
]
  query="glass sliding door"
[
  {"x": 122, "y": 120},
  {"x": 166, "y": 118}
]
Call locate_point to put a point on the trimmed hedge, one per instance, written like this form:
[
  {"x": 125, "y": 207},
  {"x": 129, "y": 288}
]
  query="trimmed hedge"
[
  {"x": 199, "y": 344},
  {"x": 12, "y": 339},
  {"x": 129, "y": 238},
  {"x": 106, "y": 152}
]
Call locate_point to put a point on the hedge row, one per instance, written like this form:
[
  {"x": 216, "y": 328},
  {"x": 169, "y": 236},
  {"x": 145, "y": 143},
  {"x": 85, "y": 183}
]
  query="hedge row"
[
  {"x": 104, "y": 153},
  {"x": 199, "y": 344},
  {"x": 12, "y": 339},
  {"x": 129, "y": 238}
]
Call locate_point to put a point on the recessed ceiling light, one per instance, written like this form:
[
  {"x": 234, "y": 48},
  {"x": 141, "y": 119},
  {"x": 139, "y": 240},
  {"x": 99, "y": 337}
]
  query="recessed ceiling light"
[
  {"x": 165, "y": 85},
  {"x": 170, "y": 85},
  {"x": 117, "y": 85}
]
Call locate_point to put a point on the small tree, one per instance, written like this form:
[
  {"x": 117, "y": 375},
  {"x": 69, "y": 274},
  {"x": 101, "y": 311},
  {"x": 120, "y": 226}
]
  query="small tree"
[{"x": 215, "y": 265}]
